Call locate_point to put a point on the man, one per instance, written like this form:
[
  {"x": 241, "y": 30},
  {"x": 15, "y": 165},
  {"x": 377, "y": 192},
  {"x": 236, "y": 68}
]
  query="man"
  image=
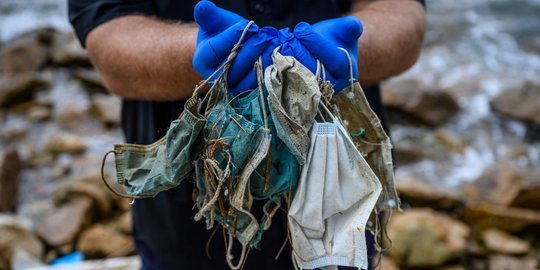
[{"x": 144, "y": 51}]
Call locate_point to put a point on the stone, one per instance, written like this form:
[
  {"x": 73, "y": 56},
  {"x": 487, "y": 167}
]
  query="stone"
[
  {"x": 27, "y": 52},
  {"x": 418, "y": 193},
  {"x": 10, "y": 169},
  {"x": 529, "y": 192},
  {"x": 500, "y": 262},
  {"x": 39, "y": 113},
  {"x": 108, "y": 108},
  {"x": 36, "y": 210},
  {"x": 21, "y": 259},
  {"x": 427, "y": 106},
  {"x": 405, "y": 155},
  {"x": 100, "y": 241},
  {"x": 66, "y": 50},
  {"x": 522, "y": 104},
  {"x": 508, "y": 185},
  {"x": 485, "y": 216},
  {"x": 21, "y": 88},
  {"x": 451, "y": 141},
  {"x": 14, "y": 129},
  {"x": 422, "y": 237},
  {"x": 123, "y": 223},
  {"x": 387, "y": 264},
  {"x": 503, "y": 243},
  {"x": 65, "y": 143},
  {"x": 15, "y": 237},
  {"x": 90, "y": 186},
  {"x": 498, "y": 185},
  {"x": 63, "y": 225},
  {"x": 70, "y": 116},
  {"x": 89, "y": 77}
]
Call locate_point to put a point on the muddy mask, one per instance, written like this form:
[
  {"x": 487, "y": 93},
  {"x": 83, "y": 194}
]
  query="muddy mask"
[{"x": 146, "y": 170}]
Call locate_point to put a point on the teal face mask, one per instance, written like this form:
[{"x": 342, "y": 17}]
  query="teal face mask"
[
  {"x": 278, "y": 174},
  {"x": 234, "y": 146},
  {"x": 146, "y": 170}
]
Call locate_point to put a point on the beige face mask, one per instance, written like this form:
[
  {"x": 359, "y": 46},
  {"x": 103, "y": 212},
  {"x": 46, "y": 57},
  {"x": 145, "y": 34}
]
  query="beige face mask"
[{"x": 293, "y": 98}]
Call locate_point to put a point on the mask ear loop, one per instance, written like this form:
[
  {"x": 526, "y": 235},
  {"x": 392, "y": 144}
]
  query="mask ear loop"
[
  {"x": 225, "y": 67},
  {"x": 351, "y": 75},
  {"x": 109, "y": 186},
  {"x": 260, "y": 82}
]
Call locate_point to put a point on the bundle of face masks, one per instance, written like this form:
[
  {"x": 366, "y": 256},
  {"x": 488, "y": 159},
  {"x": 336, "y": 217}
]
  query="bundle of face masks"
[{"x": 289, "y": 143}]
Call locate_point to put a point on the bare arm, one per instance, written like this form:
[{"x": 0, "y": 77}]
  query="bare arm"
[
  {"x": 144, "y": 58},
  {"x": 392, "y": 37}
]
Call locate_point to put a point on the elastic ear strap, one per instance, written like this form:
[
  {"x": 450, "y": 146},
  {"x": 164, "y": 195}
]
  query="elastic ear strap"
[
  {"x": 351, "y": 75},
  {"x": 260, "y": 82},
  {"x": 228, "y": 62},
  {"x": 107, "y": 183}
]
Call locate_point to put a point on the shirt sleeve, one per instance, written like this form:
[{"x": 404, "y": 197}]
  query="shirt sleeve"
[{"x": 85, "y": 15}]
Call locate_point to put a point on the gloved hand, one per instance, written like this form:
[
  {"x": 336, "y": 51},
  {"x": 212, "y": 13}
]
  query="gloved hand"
[
  {"x": 219, "y": 31},
  {"x": 322, "y": 41},
  {"x": 291, "y": 46}
]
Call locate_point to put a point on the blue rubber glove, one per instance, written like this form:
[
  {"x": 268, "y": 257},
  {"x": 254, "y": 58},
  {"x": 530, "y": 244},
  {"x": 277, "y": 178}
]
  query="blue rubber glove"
[
  {"x": 322, "y": 41},
  {"x": 291, "y": 46},
  {"x": 219, "y": 31}
]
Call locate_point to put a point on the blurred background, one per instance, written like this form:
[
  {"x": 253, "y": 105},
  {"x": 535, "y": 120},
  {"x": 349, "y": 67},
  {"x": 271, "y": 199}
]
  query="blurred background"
[{"x": 465, "y": 124}]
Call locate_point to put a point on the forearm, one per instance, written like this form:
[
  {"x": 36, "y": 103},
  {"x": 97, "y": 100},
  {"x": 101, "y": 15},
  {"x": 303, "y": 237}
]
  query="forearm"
[
  {"x": 144, "y": 58},
  {"x": 392, "y": 37}
]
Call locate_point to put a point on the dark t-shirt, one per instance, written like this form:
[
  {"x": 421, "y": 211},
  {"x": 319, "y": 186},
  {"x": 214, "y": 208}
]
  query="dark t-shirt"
[{"x": 165, "y": 234}]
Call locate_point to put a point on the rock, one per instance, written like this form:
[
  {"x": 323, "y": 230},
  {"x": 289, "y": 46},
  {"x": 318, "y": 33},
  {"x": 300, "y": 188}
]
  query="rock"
[
  {"x": 498, "y": 185},
  {"x": 15, "y": 237},
  {"x": 26, "y": 53},
  {"x": 123, "y": 223},
  {"x": 420, "y": 194},
  {"x": 89, "y": 77},
  {"x": 21, "y": 88},
  {"x": 100, "y": 241},
  {"x": 66, "y": 50},
  {"x": 507, "y": 185},
  {"x": 62, "y": 226},
  {"x": 500, "y": 262},
  {"x": 451, "y": 141},
  {"x": 529, "y": 192},
  {"x": 485, "y": 216},
  {"x": 387, "y": 264},
  {"x": 522, "y": 104},
  {"x": 108, "y": 108},
  {"x": 425, "y": 238},
  {"x": 70, "y": 115},
  {"x": 39, "y": 113},
  {"x": 65, "y": 143},
  {"x": 504, "y": 243},
  {"x": 90, "y": 186},
  {"x": 10, "y": 169},
  {"x": 35, "y": 211},
  {"x": 405, "y": 155},
  {"x": 21, "y": 259},
  {"x": 431, "y": 107},
  {"x": 14, "y": 129}
]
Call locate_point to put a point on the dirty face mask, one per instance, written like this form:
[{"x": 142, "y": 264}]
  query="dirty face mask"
[
  {"x": 369, "y": 137},
  {"x": 146, "y": 170},
  {"x": 278, "y": 173},
  {"x": 336, "y": 193},
  {"x": 293, "y": 98}
]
